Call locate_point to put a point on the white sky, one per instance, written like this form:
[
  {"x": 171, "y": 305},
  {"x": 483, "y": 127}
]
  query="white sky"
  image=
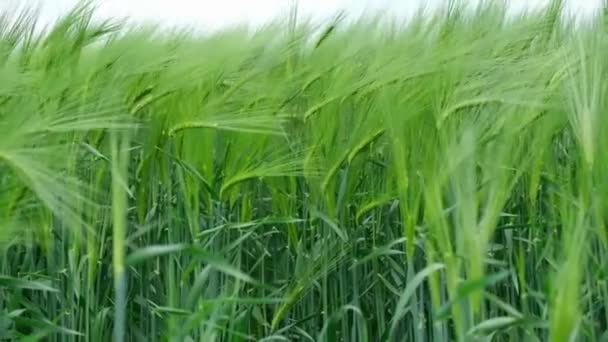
[{"x": 212, "y": 14}]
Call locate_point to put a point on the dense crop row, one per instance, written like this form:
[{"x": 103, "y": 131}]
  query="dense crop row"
[{"x": 441, "y": 180}]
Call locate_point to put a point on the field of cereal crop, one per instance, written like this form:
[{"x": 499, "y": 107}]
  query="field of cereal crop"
[{"x": 444, "y": 179}]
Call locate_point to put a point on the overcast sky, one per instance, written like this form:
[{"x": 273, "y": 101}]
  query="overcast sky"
[{"x": 212, "y": 14}]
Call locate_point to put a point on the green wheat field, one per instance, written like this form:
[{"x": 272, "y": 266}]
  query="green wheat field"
[{"x": 443, "y": 179}]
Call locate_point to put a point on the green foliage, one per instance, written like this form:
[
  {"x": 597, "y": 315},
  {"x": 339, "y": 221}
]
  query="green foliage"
[{"x": 439, "y": 180}]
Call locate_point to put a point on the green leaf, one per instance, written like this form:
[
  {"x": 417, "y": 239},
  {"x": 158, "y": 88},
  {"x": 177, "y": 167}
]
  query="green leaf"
[
  {"x": 411, "y": 287},
  {"x": 492, "y": 324},
  {"x": 330, "y": 223},
  {"x": 150, "y": 252},
  {"x": 18, "y": 283},
  {"x": 467, "y": 287}
]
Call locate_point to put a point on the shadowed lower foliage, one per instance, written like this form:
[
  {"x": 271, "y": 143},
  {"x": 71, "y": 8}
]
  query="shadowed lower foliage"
[{"x": 443, "y": 179}]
